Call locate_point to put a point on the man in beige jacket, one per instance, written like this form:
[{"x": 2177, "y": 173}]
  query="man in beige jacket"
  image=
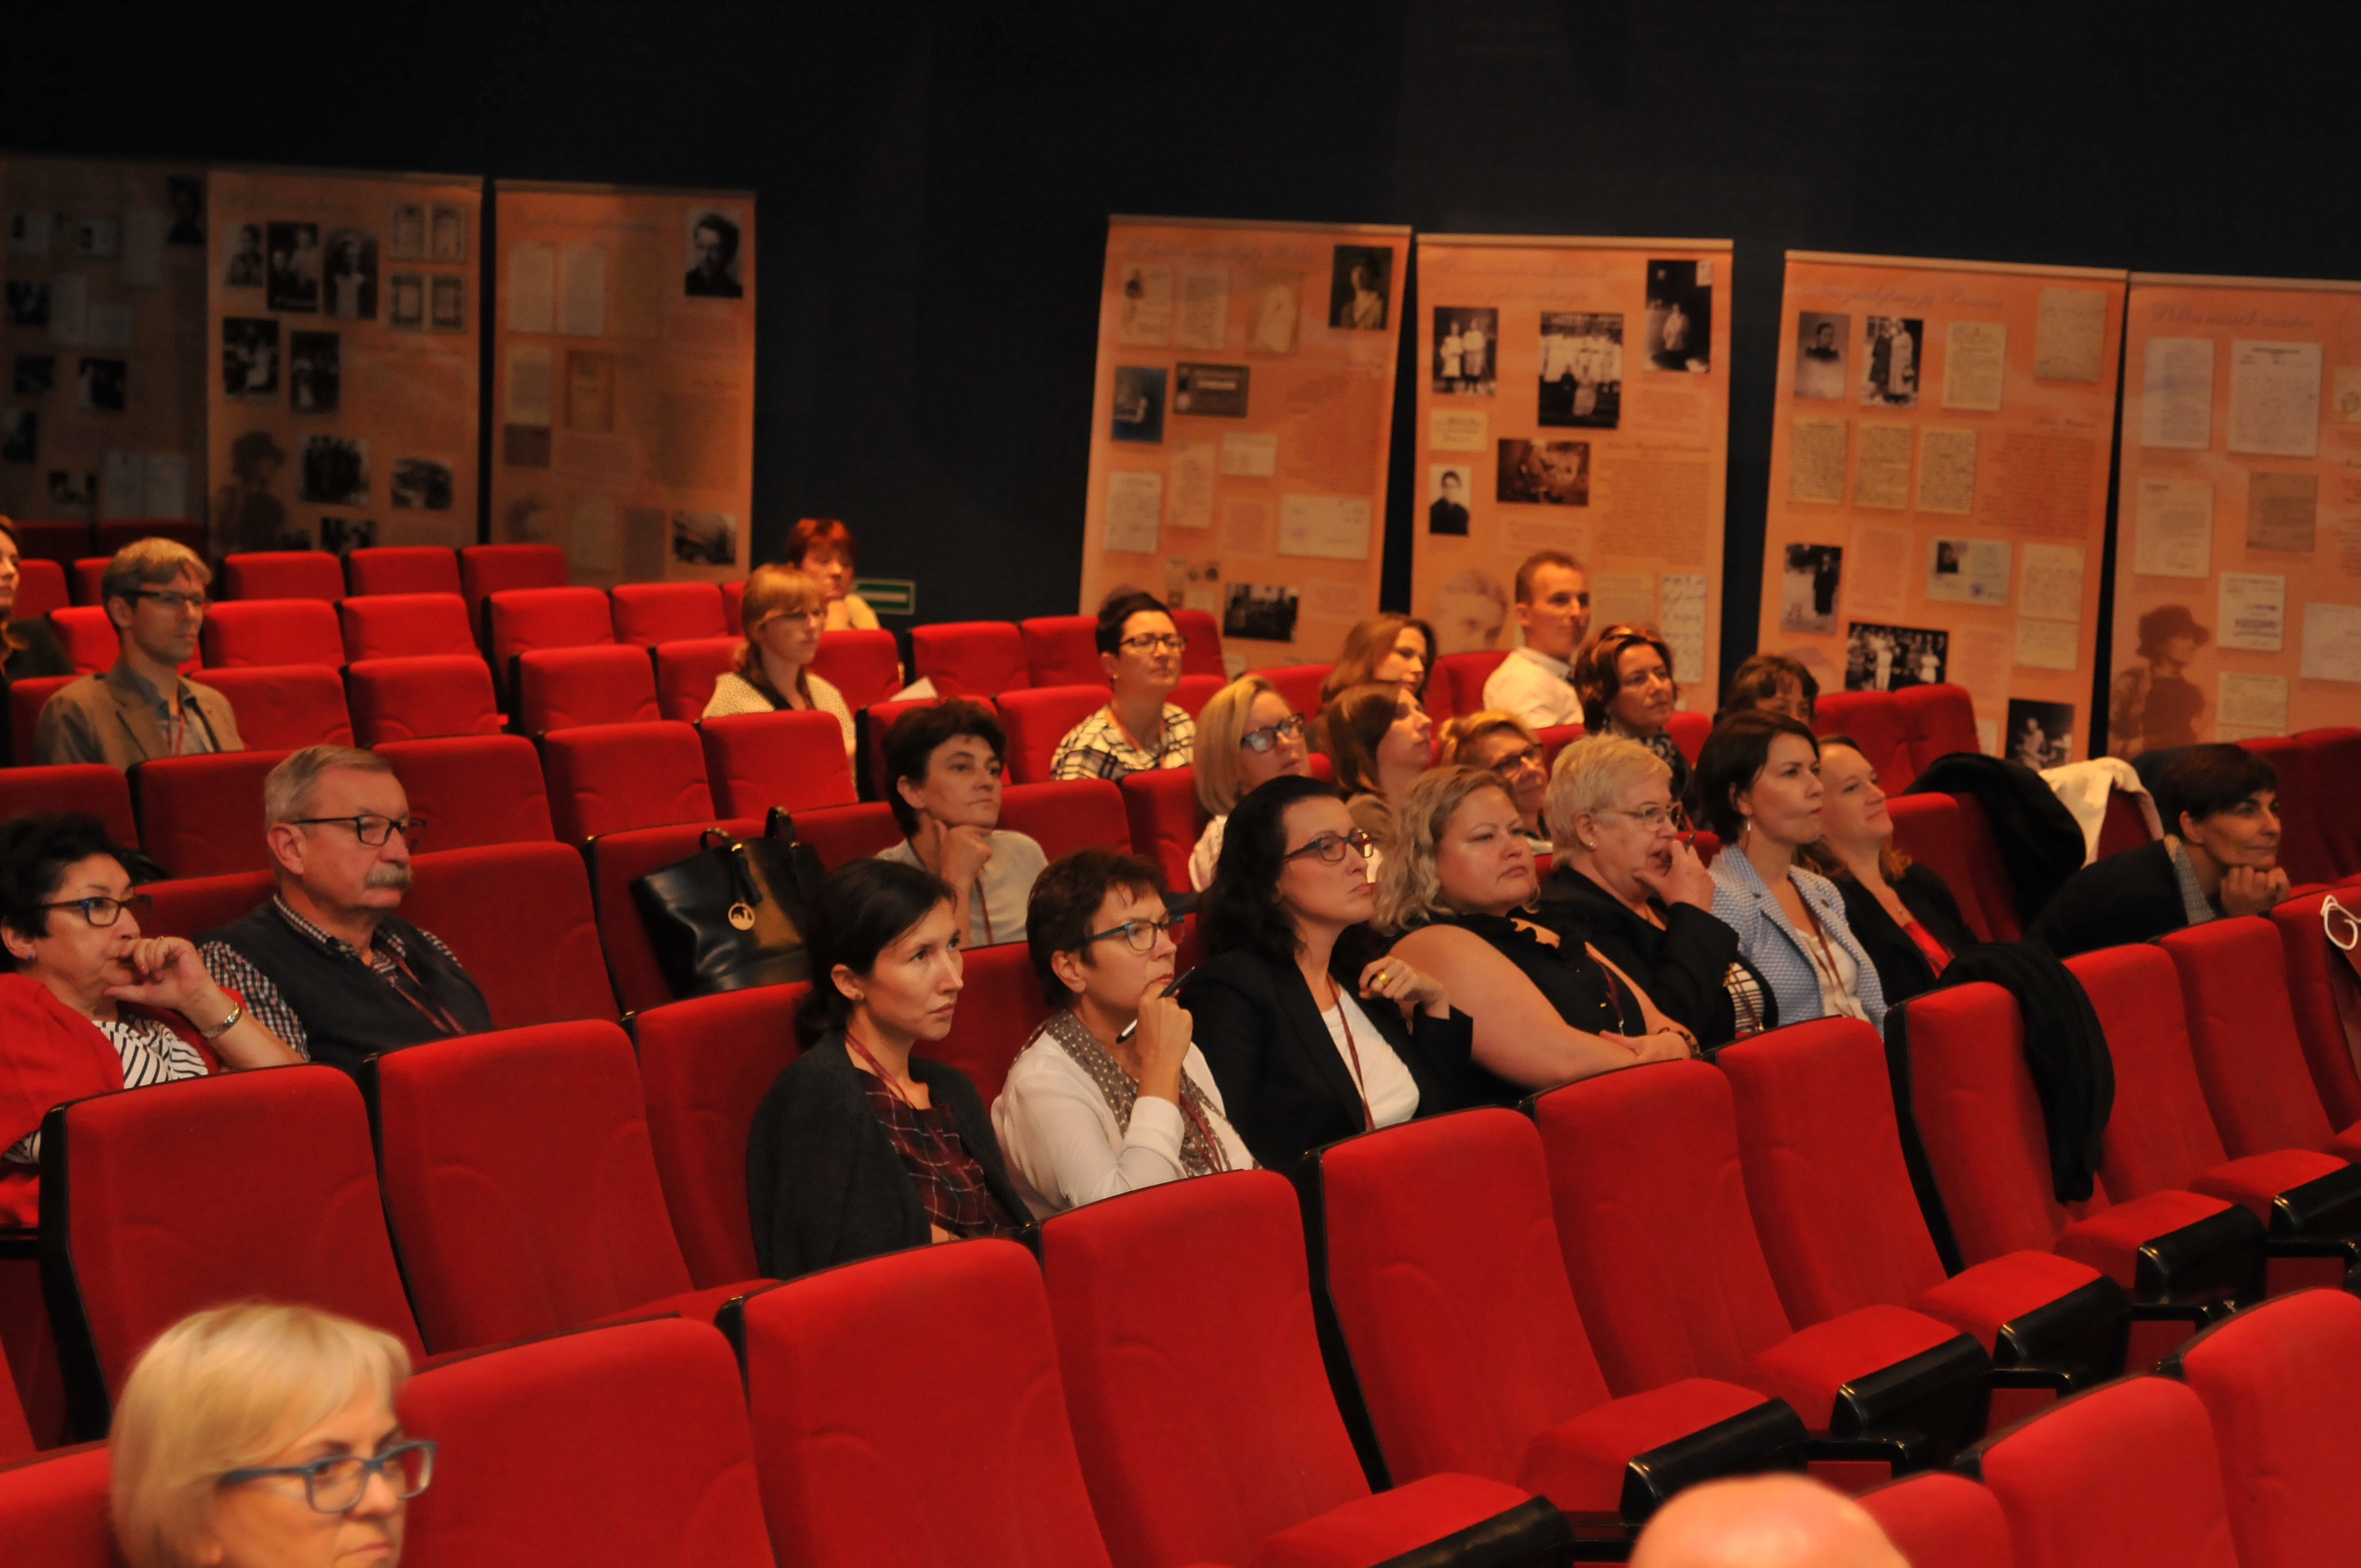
[{"x": 154, "y": 591}]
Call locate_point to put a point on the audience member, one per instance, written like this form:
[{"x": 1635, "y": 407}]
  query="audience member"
[
  {"x": 1378, "y": 739},
  {"x": 1628, "y": 882},
  {"x": 863, "y": 1147},
  {"x": 1760, "y": 779},
  {"x": 2220, "y": 859},
  {"x": 1765, "y": 1521},
  {"x": 328, "y": 963},
  {"x": 1108, "y": 1095},
  {"x": 945, "y": 762},
  {"x": 782, "y": 620},
  {"x": 822, "y": 549},
  {"x": 1902, "y": 913},
  {"x": 1452, "y": 889},
  {"x": 1503, "y": 745},
  {"x": 1137, "y": 732},
  {"x": 1247, "y": 736},
  {"x": 94, "y": 1005},
  {"x": 29, "y": 648},
  {"x": 154, "y": 591},
  {"x": 1625, "y": 680},
  {"x": 1774, "y": 682},
  {"x": 264, "y": 1436},
  {"x": 1535, "y": 682},
  {"x": 1279, "y": 1005},
  {"x": 1389, "y": 649}
]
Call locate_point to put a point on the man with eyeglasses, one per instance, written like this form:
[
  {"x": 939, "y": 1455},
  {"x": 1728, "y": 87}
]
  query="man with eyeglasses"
[
  {"x": 1137, "y": 732},
  {"x": 154, "y": 591},
  {"x": 328, "y": 963}
]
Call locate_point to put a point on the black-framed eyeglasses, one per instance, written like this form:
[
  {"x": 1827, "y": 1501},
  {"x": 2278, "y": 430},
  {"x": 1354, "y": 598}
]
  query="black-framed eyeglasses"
[
  {"x": 334, "y": 1485},
  {"x": 105, "y": 912},
  {"x": 1270, "y": 735},
  {"x": 1516, "y": 762},
  {"x": 370, "y": 828},
  {"x": 171, "y": 600},
  {"x": 1158, "y": 642},
  {"x": 1331, "y": 847},
  {"x": 1139, "y": 936}
]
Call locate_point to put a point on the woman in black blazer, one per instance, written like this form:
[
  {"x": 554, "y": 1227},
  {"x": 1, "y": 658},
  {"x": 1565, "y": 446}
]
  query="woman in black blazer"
[
  {"x": 1298, "y": 1012},
  {"x": 1902, "y": 914}
]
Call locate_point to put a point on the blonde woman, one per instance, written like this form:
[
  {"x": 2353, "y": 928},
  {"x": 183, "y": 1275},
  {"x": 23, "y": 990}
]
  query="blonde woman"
[
  {"x": 1505, "y": 746},
  {"x": 1247, "y": 736},
  {"x": 264, "y": 1436},
  {"x": 782, "y": 615},
  {"x": 1453, "y": 885}
]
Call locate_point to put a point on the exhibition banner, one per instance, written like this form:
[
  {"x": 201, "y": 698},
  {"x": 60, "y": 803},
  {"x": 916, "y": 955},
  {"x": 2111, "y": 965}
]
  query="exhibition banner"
[
  {"x": 342, "y": 349},
  {"x": 105, "y": 327},
  {"x": 1239, "y": 430},
  {"x": 1938, "y": 485},
  {"x": 2238, "y": 517},
  {"x": 1574, "y": 395},
  {"x": 623, "y": 378}
]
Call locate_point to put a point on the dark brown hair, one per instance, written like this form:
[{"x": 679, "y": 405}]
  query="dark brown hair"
[
  {"x": 1366, "y": 647},
  {"x": 1352, "y": 725},
  {"x": 1064, "y": 904},
  {"x": 1762, "y": 679},
  {"x": 1595, "y": 676},
  {"x": 1735, "y": 755}
]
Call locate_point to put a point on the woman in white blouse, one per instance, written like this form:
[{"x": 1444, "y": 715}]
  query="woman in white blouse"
[
  {"x": 1247, "y": 736},
  {"x": 783, "y": 614},
  {"x": 1109, "y": 1095}
]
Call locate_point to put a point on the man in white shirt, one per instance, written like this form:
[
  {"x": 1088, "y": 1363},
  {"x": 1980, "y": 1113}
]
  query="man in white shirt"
[{"x": 1535, "y": 682}]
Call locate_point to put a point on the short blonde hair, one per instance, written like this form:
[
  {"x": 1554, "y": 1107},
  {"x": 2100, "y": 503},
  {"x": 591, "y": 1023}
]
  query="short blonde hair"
[
  {"x": 149, "y": 562},
  {"x": 1591, "y": 776},
  {"x": 1409, "y": 889},
  {"x": 227, "y": 1389},
  {"x": 1460, "y": 734},
  {"x": 1220, "y": 726}
]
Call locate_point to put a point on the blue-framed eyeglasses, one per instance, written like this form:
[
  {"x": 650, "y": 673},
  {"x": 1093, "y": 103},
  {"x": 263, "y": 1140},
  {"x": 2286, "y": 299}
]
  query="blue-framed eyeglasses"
[{"x": 334, "y": 1485}]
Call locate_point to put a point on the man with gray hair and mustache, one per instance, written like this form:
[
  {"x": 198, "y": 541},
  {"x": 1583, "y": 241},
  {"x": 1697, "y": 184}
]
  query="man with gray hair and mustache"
[{"x": 328, "y": 963}]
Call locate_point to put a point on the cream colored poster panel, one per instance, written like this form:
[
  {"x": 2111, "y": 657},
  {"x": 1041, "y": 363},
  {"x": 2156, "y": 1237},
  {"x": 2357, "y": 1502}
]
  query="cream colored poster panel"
[
  {"x": 1574, "y": 395},
  {"x": 1938, "y": 485},
  {"x": 104, "y": 334},
  {"x": 1238, "y": 432},
  {"x": 343, "y": 354},
  {"x": 2238, "y": 521},
  {"x": 623, "y": 378}
]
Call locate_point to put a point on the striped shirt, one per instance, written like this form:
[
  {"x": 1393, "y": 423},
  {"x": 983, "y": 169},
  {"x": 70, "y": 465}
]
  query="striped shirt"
[{"x": 151, "y": 1054}]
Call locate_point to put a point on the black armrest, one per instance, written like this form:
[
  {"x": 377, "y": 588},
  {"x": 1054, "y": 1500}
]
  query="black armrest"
[
  {"x": 1930, "y": 1405},
  {"x": 2082, "y": 1335},
  {"x": 2219, "y": 1255}
]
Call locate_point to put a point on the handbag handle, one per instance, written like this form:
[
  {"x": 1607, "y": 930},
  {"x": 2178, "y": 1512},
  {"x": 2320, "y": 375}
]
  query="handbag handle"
[{"x": 745, "y": 888}]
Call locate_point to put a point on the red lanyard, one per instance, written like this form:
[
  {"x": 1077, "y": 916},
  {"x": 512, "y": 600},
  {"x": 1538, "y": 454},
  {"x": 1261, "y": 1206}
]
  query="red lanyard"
[
  {"x": 1360, "y": 1083},
  {"x": 895, "y": 1091}
]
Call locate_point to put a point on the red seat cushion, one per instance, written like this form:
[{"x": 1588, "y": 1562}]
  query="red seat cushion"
[
  {"x": 650, "y": 613},
  {"x": 416, "y": 699},
  {"x": 1582, "y": 1465},
  {"x": 88, "y": 637},
  {"x": 705, "y": 1064},
  {"x": 792, "y": 759},
  {"x": 402, "y": 569},
  {"x": 2160, "y": 1134},
  {"x": 272, "y": 631},
  {"x": 1390, "y": 1524},
  {"x": 864, "y": 665},
  {"x": 970, "y": 658},
  {"x": 202, "y": 816},
  {"x": 281, "y": 708},
  {"x": 607, "y": 777},
  {"x": 1809, "y": 1367},
  {"x": 1037, "y": 719},
  {"x": 473, "y": 789},
  {"x": 283, "y": 575},
  {"x": 1194, "y": 692},
  {"x": 518, "y": 916},
  {"x": 1064, "y": 817},
  {"x": 1062, "y": 650},
  {"x": 1929, "y": 829},
  {"x": 406, "y": 626},
  {"x": 565, "y": 688},
  {"x": 2110, "y": 1239},
  {"x": 1980, "y": 1297},
  {"x": 2254, "y": 1183},
  {"x": 93, "y": 787},
  {"x": 685, "y": 672}
]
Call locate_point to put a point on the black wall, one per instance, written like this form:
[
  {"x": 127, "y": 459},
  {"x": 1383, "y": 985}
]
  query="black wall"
[{"x": 935, "y": 179}]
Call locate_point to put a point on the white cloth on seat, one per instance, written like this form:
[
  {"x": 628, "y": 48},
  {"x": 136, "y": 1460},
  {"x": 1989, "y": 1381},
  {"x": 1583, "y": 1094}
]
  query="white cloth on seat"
[{"x": 2084, "y": 788}]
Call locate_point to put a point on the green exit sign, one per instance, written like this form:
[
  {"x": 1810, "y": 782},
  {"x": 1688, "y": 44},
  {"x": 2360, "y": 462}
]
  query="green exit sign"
[{"x": 888, "y": 595}]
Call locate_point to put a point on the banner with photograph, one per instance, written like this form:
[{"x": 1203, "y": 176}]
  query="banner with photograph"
[
  {"x": 1938, "y": 485},
  {"x": 2238, "y": 517},
  {"x": 343, "y": 355},
  {"x": 104, "y": 336},
  {"x": 1238, "y": 431},
  {"x": 1532, "y": 436},
  {"x": 623, "y": 378}
]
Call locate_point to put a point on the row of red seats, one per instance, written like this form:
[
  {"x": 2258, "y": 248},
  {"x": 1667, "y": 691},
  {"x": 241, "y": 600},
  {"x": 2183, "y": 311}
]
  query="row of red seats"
[{"x": 62, "y": 563}]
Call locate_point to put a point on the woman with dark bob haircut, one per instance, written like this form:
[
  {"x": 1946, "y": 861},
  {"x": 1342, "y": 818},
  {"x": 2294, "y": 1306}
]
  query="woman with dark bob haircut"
[
  {"x": 861, "y": 1148},
  {"x": 1279, "y": 1006}
]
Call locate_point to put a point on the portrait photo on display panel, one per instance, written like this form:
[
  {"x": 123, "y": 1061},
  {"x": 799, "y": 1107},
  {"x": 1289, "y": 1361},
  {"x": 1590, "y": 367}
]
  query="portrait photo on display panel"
[
  {"x": 1820, "y": 340},
  {"x": 1680, "y": 316},
  {"x": 293, "y": 276},
  {"x": 1466, "y": 338},
  {"x": 1581, "y": 368},
  {"x": 1359, "y": 282},
  {"x": 250, "y": 357},
  {"x": 349, "y": 288},
  {"x": 1890, "y": 361},
  {"x": 715, "y": 235}
]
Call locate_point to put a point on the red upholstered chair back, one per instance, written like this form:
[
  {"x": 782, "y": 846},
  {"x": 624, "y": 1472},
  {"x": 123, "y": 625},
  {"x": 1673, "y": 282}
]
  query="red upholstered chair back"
[
  {"x": 87, "y": 576},
  {"x": 2160, "y": 1136},
  {"x": 1875, "y": 721},
  {"x": 1994, "y": 890},
  {"x": 1653, "y": 1219},
  {"x": 406, "y": 626},
  {"x": 40, "y": 588},
  {"x": 1444, "y": 1271},
  {"x": 402, "y": 569},
  {"x": 1192, "y": 1296},
  {"x": 838, "y": 1434},
  {"x": 1203, "y": 654},
  {"x": 53, "y": 1511},
  {"x": 93, "y": 787},
  {"x": 16, "y": 1435},
  {"x": 607, "y": 777},
  {"x": 842, "y": 833},
  {"x": 1688, "y": 731},
  {"x": 1929, "y": 829},
  {"x": 55, "y": 539},
  {"x": 1939, "y": 1520},
  {"x": 2234, "y": 994},
  {"x": 1063, "y": 650},
  {"x": 566, "y": 689},
  {"x": 473, "y": 789},
  {"x": 865, "y": 666},
  {"x": 618, "y": 860},
  {"x": 1065, "y": 816},
  {"x": 970, "y": 658},
  {"x": 2336, "y": 770},
  {"x": 112, "y": 535},
  {"x": 620, "y": 1445},
  {"x": 26, "y": 699},
  {"x": 1194, "y": 692},
  {"x": 1300, "y": 685},
  {"x": 519, "y": 1183},
  {"x": 415, "y": 699},
  {"x": 997, "y": 1012},
  {"x": 1556, "y": 738},
  {"x": 2318, "y": 979},
  {"x": 182, "y": 1196},
  {"x": 1166, "y": 820},
  {"x": 282, "y": 706},
  {"x": 2124, "y": 826},
  {"x": 1940, "y": 720},
  {"x": 1463, "y": 677},
  {"x": 488, "y": 569},
  {"x": 2126, "y": 1473},
  {"x": 1825, "y": 1178},
  {"x": 649, "y": 613},
  {"x": 89, "y": 638},
  {"x": 519, "y": 917},
  {"x": 202, "y": 816},
  {"x": 283, "y": 575},
  {"x": 796, "y": 759},
  {"x": 705, "y": 1065},
  {"x": 1037, "y": 719},
  {"x": 734, "y": 601},
  {"x": 524, "y": 619},
  {"x": 685, "y": 672},
  {"x": 874, "y": 724},
  {"x": 272, "y": 631},
  {"x": 2303, "y": 833},
  {"x": 194, "y": 907}
]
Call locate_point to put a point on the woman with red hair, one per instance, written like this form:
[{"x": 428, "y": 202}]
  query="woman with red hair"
[{"x": 822, "y": 549}]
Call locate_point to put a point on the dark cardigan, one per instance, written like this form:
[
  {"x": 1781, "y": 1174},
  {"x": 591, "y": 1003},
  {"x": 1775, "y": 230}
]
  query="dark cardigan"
[
  {"x": 1902, "y": 971},
  {"x": 1681, "y": 966},
  {"x": 824, "y": 1185},
  {"x": 2133, "y": 897}
]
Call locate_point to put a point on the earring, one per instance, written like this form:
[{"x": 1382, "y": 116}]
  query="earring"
[{"x": 1588, "y": 845}]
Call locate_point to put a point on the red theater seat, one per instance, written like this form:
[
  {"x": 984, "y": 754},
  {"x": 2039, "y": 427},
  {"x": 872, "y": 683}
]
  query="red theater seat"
[
  {"x": 1298, "y": 684},
  {"x": 2235, "y": 994},
  {"x": 1190, "y": 1298},
  {"x": 734, "y": 601},
  {"x": 89, "y": 638},
  {"x": 2320, "y": 983},
  {"x": 1203, "y": 654},
  {"x": 519, "y": 1186},
  {"x": 195, "y": 906},
  {"x": 566, "y": 689},
  {"x": 1930, "y": 829},
  {"x": 279, "y": 708},
  {"x": 607, "y": 777},
  {"x": 705, "y": 1064},
  {"x": 2336, "y": 763},
  {"x": 406, "y": 626},
  {"x": 685, "y": 672},
  {"x": 414, "y": 700},
  {"x": 518, "y": 916},
  {"x": 618, "y": 860},
  {"x": 283, "y": 575},
  {"x": 650, "y": 613},
  {"x": 88, "y": 576},
  {"x": 970, "y": 658},
  {"x": 864, "y": 665},
  {"x": 2303, "y": 833},
  {"x": 1063, "y": 650},
  {"x": 1988, "y": 873},
  {"x": 40, "y": 588},
  {"x": 272, "y": 631},
  {"x": 1939, "y": 1520},
  {"x": 792, "y": 759},
  {"x": 202, "y": 816},
  {"x": 93, "y": 787},
  {"x": 402, "y": 569},
  {"x": 1166, "y": 820},
  {"x": 1462, "y": 678},
  {"x": 872, "y": 725},
  {"x": 842, "y": 833},
  {"x": 1556, "y": 738},
  {"x": 488, "y": 569},
  {"x": 473, "y": 789},
  {"x": 997, "y": 1012},
  {"x": 16, "y": 1435},
  {"x": 523, "y": 620},
  {"x": 111, "y": 536},
  {"x": 1065, "y": 816},
  {"x": 1874, "y": 722},
  {"x": 1194, "y": 692},
  {"x": 26, "y": 700},
  {"x": 1940, "y": 720},
  {"x": 1037, "y": 719},
  {"x": 1688, "y": 731},
  {"x": 53, "y": 1511},
  {"x": 2125, "y": 826},
  {"x": 59, "y": 540}
]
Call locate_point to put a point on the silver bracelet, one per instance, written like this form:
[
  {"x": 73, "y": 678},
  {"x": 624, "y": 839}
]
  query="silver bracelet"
[{"x": 237, "y": 1011}]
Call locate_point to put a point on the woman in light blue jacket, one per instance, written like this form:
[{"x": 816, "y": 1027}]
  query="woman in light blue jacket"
[{"x": 1759, "y": 780}]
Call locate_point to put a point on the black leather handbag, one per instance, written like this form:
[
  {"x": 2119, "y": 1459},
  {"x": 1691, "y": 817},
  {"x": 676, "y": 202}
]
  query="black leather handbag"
[{"x": 732, "y": 915}]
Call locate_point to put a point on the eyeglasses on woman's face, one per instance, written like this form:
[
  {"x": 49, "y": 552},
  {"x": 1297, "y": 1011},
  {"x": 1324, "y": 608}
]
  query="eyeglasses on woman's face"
[
  {"x": 1270, "y": 735},
  {"x": 1329, "y": 848},
  {"x": 102, "y": 912},
  {"x": 1156, "y": 643},
  {"x": 1516, "y": 763},
  {"x": 334, "y": 1485},
  {"x": 1654, "y": 818},
  {"x": 1139, "y": 936}
]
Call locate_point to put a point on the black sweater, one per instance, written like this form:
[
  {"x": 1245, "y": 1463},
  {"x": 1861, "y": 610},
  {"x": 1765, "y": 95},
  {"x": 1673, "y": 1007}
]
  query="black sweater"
[
  {"x": 1902, "y": 970},
  {"x": 2133, "y": 897},
  {"x": 1681, "y": 966}
]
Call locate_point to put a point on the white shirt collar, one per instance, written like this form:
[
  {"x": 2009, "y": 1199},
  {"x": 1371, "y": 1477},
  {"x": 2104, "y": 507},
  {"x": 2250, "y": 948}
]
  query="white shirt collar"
[{"x": 1558, "y": 667}]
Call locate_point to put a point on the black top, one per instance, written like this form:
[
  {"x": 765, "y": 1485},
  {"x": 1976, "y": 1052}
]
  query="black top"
[
  {"x": 2133, "y": 897},
  {"x": 1682, "y": 965},
  {"x": 824, "y": 1184},
  {"x": 1903, "y": 969},
  {"x": 350, "y": 1012},
  {"x": 1568, "y": 978},
  {"x": 42, "y": 653}
]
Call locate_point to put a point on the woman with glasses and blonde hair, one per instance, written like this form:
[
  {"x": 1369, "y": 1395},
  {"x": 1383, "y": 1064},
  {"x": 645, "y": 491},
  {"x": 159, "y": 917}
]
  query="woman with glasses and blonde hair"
[
  {"x": 1625, "y": 680},
  {"x": 264, "y": 1436},
  {"x": 1499, "y": 743},
  {"x": 1380, "y": 739},
  {"x": 1627, "y": 882},
  {"x": 1247, "y": 736},
  {"x": 1454, "y": 891},
  {"x": 782, "y": 615}
]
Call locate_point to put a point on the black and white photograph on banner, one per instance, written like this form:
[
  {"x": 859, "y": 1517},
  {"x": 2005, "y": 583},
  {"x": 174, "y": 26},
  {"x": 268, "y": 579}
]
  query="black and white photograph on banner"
[
  {"x": 705, "y": 538},
  {"x": 1464, "y": 340},
  {"x": 1582, "y": 368},
  {"x": 246, "y": 514},
  {"x": 351, "y": 283},
  {"x": 1260, "y": 612},
  {"x": 249, "y": 357},
  {"x": 73, "y": 495},
  {"x": 1680, "y": 316},
  {"x": 343, "y": 535},
  {"x": 1888, "y": 658},
  {"x": 405, "y": 232},
  {"x": 1469, "y": 611},
  {"x": 1446, "y": 506},
  {"x": 1807, "y": 587},
  {"x": 28, "y": 232},
  {"x": 185, "y": 193},
  {"x": 293, "y": 279},
  {"x": 446, "y": 304},
  {"x": 313, "y": 372},
  {"x": 1551, "y": 472},
  {"x": 406, "y": 302},
  {"x": 2040, "y": 734},
  {"x": 98, "y": 237},
  {"x": 1218, "y": 389},
  {"x": 1889, "y": 361},
  {"x": 335, "y": 471},
  {"x": 33, "y": 376},
  {"x": 1138, "y": 403},
  {"x": 1359, "y": 279},
  {"x": 241, "y": 267},
  {"x": 421, "y": 482},
  {"x": 713, "y": 267},
  {"x": 20, "y": 435},
  {"x": 29, "y": 304},
  {"x": 103, "y": 389},
  {"x": 1821, "y": 339},
  {"x": 447, "y": 236}
]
